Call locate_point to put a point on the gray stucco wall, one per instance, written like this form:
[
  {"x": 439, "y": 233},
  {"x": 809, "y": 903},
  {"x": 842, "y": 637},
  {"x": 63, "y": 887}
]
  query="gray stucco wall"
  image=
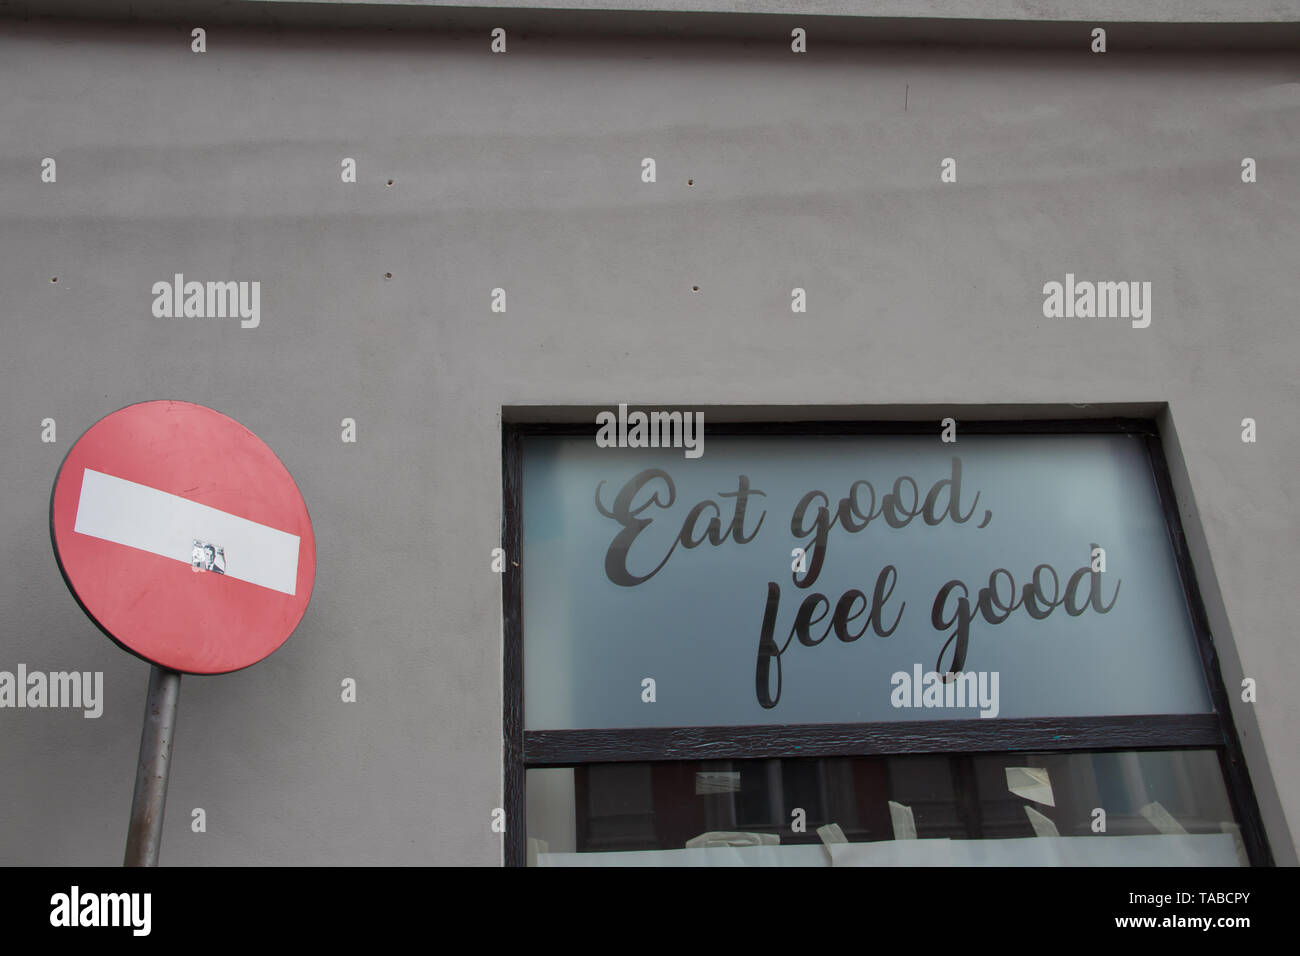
[
  {"x": 1187, "y": 11},
  {"x": 522, "y": 171},
  {"x": 1110, "y": 11}
]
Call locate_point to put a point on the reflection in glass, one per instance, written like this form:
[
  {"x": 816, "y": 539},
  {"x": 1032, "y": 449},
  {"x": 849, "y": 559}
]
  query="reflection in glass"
[{"x": 1129, "y": 808}]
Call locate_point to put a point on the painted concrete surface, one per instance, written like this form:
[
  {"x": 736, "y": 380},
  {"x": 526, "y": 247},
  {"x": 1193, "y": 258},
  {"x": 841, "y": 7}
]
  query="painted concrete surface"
[
  {"x": 1107, "y": 11},
  {"x": 523, "y": 172}
]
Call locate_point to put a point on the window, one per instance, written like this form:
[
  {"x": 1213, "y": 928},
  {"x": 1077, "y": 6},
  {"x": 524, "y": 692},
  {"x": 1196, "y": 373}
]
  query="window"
[{"x": 823, "y": 644}]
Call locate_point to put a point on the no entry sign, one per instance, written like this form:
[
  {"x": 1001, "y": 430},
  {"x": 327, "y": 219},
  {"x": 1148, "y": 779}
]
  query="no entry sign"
[{"x": 183, "y": 536}]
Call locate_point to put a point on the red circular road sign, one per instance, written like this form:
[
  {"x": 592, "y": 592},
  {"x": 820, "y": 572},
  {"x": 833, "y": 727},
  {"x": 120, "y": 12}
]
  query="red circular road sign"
[{"x": 183, "y": 537}]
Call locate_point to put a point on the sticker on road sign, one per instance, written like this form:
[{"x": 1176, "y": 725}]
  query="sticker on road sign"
[{"x": 183, "y": 537}]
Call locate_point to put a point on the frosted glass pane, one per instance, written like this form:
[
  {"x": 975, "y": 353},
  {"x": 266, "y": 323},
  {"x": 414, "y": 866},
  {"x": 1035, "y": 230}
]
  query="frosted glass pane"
[{"x": 604, "y": 611}]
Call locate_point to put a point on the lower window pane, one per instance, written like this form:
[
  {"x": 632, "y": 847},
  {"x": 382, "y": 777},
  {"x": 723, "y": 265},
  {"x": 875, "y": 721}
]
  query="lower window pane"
[{"x": 1146, "y": 808}]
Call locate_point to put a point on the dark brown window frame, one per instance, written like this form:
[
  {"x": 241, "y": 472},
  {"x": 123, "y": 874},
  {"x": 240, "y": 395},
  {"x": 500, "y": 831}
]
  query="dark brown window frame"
[{"x": 524, "y": 750}]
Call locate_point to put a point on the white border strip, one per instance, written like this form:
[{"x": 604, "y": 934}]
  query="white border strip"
[{"x": 145, "y": 518}]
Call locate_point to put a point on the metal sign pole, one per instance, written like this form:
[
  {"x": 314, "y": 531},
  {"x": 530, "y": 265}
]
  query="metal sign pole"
[{"x": 144, "y": 835}]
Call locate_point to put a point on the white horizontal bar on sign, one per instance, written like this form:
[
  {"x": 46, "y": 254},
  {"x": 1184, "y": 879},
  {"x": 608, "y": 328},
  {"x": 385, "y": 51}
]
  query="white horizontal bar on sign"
[{"x": 138, "y": 516}]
